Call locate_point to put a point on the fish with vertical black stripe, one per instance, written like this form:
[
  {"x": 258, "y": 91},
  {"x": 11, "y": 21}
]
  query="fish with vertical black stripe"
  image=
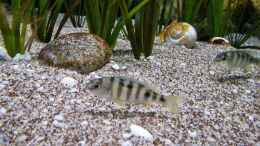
[
  {"x": 122, "y": 90},
  {"x": 239, "y": 58}
]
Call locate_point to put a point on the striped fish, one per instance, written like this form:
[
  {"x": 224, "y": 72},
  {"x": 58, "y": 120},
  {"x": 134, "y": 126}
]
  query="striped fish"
[
  {"x": 120, "y": 90},
  {"x": 239, "y": 58}
]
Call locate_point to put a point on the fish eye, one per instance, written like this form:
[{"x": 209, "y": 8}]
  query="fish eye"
[
  {"x": 96, "y": 86},
  {"x": 223, "y": 57},
  {"x": 220, "y": 57}
]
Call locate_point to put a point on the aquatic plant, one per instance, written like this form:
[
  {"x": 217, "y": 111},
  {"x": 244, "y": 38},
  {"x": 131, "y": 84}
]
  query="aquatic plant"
[
  {"x": 215, "y": 17},
  {"x": 141, "y": 32},
  {"x": 45, "y": 16},
  {"x": 167, "y": 13},
  {"x": 75, "y": 11},
  {"x": 14, "y": 30},
  {"x": 240, "y": 29},
  {"x": 237, "y": 39},
  {"x": 188, "y": 10},
  {"x": 102, "y": 20}
]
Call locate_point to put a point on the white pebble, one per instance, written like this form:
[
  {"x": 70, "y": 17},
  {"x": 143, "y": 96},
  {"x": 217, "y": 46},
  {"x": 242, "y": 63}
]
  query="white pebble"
[
  {"x": 3, "y": 139},
  {"x": 2, "y": 111},
  {"x": 207, "y": 113},
  {"x": 257, "y": 123},
  {"x": 248, "y": 91},
  {"x": 126, "y": 143},
  {"x": 150, "y": 57},
  {"x": 183, "y": 64},
  {"x": 17, "y": 68},
  {"x": 51, "y": 99},
  {"x": 82, "y": 143},
  {"x": 252, "y": 118},
  {"x": 84, "y": 123},
  {"x": 59, "y": 117},
  {"x": 44, "y": 123},
  {"x": 123, "y": 67},
  {"x": 193, "y": 134},
  {"x": 211, "y": 72},
  {"x": 69, "y": 82},
  {"x": 167, "y": 142},
  {"x": 41, "y": 89},
  {"x": 258, "y": 143},
  {"x": 211, "y": 139},
  {"x": 21, "y": 138},
  {"x": 106, "y": 122},
  {"x": 127, "y": 135},
  {"x": 97, "y": 76},
  {"x": 27, "y": 56},
  {"x": 59, "y": 124},
  {"x": 141, "y": 132},
  {"x": 118, "y": 67},
  {"x": 5, "y": 82},
  {"x": 235, "y": 91},
  {"x": 115, "y": 67},
  {"x": 2, "y": 86}
]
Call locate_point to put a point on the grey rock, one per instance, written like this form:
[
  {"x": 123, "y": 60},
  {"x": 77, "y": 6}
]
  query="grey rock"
[
  {"x": 2, "y": 111},
  {"x": 118, "y": 67},
  {"x": 59, "y": 117},
  {"x": 126, "y": 143},
  {"x": 2, "y": 86},
  {"x": 82, "y": 52},
  {"x": 59, "y": 124}
]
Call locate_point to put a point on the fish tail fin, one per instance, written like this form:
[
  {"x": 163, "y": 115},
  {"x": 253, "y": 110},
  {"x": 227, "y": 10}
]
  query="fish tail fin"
[{"x": 173, "y": 103}]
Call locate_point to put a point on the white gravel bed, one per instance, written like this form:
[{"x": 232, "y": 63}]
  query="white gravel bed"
[{"x": 37, "y": 107}]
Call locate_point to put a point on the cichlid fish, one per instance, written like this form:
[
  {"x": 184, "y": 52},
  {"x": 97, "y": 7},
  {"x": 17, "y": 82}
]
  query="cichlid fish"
[
  {"x": 179, "y": 33},
  {"x": 120, "y": 90},
  {"x": 239, "y": 58}
]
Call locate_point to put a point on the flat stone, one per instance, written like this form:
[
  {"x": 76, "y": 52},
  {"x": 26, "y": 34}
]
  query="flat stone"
[
  {"x": 82, "y": 52},
  {"x": 136, "y": 130},
  {"x": 59, "y": 117}
]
